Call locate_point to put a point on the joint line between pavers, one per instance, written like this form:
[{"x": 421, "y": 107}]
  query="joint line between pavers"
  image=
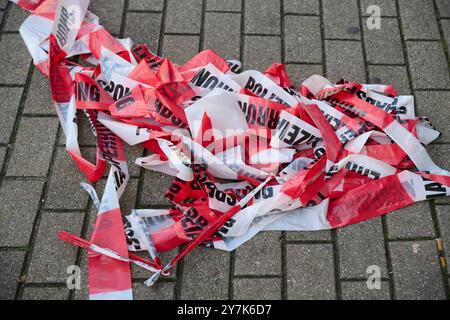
[{"x": 34, "y": 232}]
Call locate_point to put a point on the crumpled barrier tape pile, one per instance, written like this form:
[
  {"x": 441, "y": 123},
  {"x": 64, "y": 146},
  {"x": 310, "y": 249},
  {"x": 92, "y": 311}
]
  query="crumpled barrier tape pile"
[{"x": 248, "y": 150}]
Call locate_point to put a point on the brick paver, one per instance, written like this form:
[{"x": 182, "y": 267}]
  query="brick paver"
[{"x": 39, "y": 185}]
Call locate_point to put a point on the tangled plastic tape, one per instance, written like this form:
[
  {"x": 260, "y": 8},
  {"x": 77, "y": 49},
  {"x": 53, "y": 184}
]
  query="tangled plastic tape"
[{"x": 248, "y": 150}]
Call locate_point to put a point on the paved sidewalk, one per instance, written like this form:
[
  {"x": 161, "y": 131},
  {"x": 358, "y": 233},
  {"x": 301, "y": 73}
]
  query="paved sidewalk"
[{"x": 39, "y": 184}]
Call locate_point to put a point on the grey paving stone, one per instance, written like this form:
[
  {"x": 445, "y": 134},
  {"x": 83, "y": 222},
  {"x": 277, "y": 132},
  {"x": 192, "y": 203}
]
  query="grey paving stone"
[
  {"x": 300, "y": 72},
  {"x": 33, "y": 147},
  {"x": 446, "y": 29},
  {"x": 359, "y": 291},
  {"x": 434, "y": 105},
  {"x": 220, "y": 5},
  {"x": 10, "y": 268},
  {"x": 259, "y": 256},
  {"x": 257, "y": 289},
  {"x": 183, "y": 16},
  {"x": 20, "y": 201},
  {"x": 323, "y": 235},
  {"x": 2, "y": 155},
  {"x": 222, "y": 34},
  {"x": 51, "y": 256},
  {"x": 64, "y": 184},
  {"x": 39, "y": 97},
  {"x": 388, "y": 7},
  {"x": 144, "y": 28},
  {"x": 154, "y": 5},
  {"x": 109, "y": 12},
  {"x": 45, "y": 293},
  {"x": 384, "y": 45},
  {"x": 160, "y": 291},
  {"x": 261, "y": 52},
  {"x": 443, "y": 216},
  {"x": 205, "y": 275},
  {"x": 429, "y": 68},
  {"x": 180, "y": 49},
  {"x": 345, "y": 60},
  {"x": 418, "y": 19},
  {"x": 154, "y": 188},
  {"x": 304, "y": 46},
  {"x": 360, "y": 246},
  {"x": 10, "y": 105},
  {"x": 396, "y": 75},
  {"x": 302, "y": 6},
  {"x": 439, "y": 154},
  {"x": 15, "y": 60},
  {"x": 310, "y": 272},
  {"x": 404, "y": 223},
  {"x": 83, "y": 292},
  {"x": 16, "y": 16},
  {"x": 444, "y": 8},
  {"x": 132, "y": 153},
  {"x": 262, "y": 17},
  {"x": 341, "y": 19},
  {"x": 417, "y": 274}
]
